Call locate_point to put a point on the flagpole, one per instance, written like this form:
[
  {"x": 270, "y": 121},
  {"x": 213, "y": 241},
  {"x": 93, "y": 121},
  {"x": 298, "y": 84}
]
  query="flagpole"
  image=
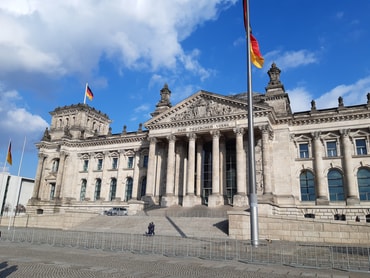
[
  {"x": 20, "y": 183},
  {"x": 2, "y": 180},
  {"x": 85, "y": 93},
  {"x": 253, "y": 204}
]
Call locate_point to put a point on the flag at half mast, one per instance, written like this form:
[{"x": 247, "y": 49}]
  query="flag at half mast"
[
  {"x": 89, "y": 93},
  {"x": 9, "y": 155},
  {"x": 256, "y": 56}
]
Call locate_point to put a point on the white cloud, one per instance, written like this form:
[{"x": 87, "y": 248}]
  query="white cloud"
[
  {"x": 17, "y": 121},
  {"x": 352, "y": 94},
  {"x": 291, "y": 59},
  {"x": 69, "y": 37},
  {"x": 300, "y": 99}
]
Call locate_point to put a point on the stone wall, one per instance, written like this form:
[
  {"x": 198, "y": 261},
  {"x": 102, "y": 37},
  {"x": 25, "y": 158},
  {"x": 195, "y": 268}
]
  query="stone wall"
[{"x": 299, "y": 229}]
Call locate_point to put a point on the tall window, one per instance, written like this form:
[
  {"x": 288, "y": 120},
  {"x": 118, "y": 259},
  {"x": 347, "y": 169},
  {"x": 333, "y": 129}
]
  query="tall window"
[
  {"x": 113, "y": 189},
  {"x": 143, "y": 187},
  {"x": 97, "y": 189},
  {"x": 303, "y": 150},
  {"x": 335, "y": 182},
  {"x": 307, "y": 183},
  {"x": 363, "y": 178},
  {"x": 114, "y": 162},
  {"x": 83, "y": 190},
  {"x": 130, "y": 162},
  {"x": 145, "y": 161},
  {"x": 52, "y": 191},
  {"x": 85, "y": 166},
  {"x": 361, "y": 146},
  {"x": 99, "y": 166},
  {"x": 55, "y": 166},
  {"x": 331, "y": 148},
  {"x": 128, "y": 192}
]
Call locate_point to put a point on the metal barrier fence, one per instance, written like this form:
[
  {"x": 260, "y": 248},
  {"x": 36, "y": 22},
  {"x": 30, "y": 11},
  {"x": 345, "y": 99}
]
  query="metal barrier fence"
[{"x": 280, "y": 253}]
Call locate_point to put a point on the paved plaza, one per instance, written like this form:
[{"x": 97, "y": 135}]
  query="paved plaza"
[{"x": 25, "y": 260}]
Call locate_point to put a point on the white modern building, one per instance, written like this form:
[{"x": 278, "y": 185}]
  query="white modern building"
[
  {"x": 314, "y": 163},
  {"x": 14, "y": 190}
]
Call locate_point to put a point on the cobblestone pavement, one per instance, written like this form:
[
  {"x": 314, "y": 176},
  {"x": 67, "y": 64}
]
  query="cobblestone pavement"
[{"x": 25, "y": 260}]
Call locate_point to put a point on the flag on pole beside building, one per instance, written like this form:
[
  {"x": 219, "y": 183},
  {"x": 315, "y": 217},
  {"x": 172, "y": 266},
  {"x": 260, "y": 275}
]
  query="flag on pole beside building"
[
  {"x": 9, "y": 155},
  {"x": 89, "y": 93},
  {"x": 256, "y": 56}
]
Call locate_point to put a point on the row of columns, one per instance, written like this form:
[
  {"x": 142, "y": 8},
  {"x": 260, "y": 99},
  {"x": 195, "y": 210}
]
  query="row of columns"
[{"x": 193, "y": 170}]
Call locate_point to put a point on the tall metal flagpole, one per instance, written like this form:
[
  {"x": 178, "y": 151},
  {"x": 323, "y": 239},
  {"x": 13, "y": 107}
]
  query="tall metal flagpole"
[
  {"x": 20, "y": 183},
  {"x": 2, "y": 180},
  {"x": 252, "y": 163}
]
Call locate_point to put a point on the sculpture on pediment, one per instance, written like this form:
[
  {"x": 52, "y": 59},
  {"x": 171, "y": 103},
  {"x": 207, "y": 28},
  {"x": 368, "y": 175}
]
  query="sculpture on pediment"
[{"x": 204, "y": 108}]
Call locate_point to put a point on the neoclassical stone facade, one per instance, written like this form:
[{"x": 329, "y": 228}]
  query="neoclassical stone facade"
[{"x": 314, "y": 163}]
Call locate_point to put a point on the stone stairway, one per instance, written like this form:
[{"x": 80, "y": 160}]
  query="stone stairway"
[{"x": 198, "y": 222}]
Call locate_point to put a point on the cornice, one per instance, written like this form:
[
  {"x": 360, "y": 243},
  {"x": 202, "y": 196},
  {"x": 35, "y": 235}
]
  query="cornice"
[
  {"x": 94, "y": 141},
  {"x": 318, "y": 118}
]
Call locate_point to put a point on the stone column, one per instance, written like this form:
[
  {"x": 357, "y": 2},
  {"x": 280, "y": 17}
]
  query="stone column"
[
  {"x": 266, "y": 161},
  {"x": 38, "y": 178},
  {"x": 59, "y": 180},
  {"x": 190, "y": 199},
  {"x": 241, "y": 198},
  {"x": 149, "y": 194},
  {"x": 169, "y": 198},
  {"x": 199, "y": 167},
  {"x": 321, "y": 188},
  {"x": 215, "y": 199},
  {"x": 351, "y": 188}
]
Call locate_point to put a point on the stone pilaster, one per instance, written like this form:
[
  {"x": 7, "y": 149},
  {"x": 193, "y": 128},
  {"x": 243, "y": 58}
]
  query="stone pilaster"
[
  {"x": 321, "y": 188},
  {"x": 149, "y": 194},
  {"x": 60, "y": 175},
  {"x": 351, "y": 187},
  {"x": 39, "y": 175}
]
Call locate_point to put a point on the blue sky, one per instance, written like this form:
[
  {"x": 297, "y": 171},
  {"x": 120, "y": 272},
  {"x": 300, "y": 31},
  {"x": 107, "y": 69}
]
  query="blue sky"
[{"x": 127, "y": 49}]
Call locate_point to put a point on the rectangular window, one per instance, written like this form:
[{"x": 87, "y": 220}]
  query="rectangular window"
[
  {"x": 361, "y": 147},
  {"x": 85, "y": 165},
  {"x": 145, "y": 161},
  {"x": 100, "y": 164},
  {"x": 130, "y": 162},
  {"x": 52, "y": 191},
  {"x": 331, "y": 148},
  {"x": 303, "y": 150},
  {"x": 114, "y": 163}
]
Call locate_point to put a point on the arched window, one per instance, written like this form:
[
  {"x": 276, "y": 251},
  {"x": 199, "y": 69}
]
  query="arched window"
[
  {"x": 113, "y": 189},
  {"x": 83, "y": 190},
  {"x": 363, "y": 179},
  {"x": 97, "y": 189},
  {"x": 335, "y": 182},
  {"x": 143, "y": 187},
  {"x": 307, "y": 183},
  {"x": 128, "y": 191},
  {"x": 55, "y": 166}
]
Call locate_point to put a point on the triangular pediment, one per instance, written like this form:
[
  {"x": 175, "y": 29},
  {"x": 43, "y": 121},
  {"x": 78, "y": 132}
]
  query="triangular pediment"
[{"x": 203, "y": 107}]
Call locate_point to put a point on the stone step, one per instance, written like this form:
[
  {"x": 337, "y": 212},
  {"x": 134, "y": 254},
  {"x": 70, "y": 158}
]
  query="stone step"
[{"x": 164, "y": 225}]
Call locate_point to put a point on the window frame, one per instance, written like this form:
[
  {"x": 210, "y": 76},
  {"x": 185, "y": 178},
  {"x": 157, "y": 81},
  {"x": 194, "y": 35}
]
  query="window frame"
[
  {"x": 303, "y": 152},
  {"x": 330, "y": 151},
  {"x": 359, "y": 148}
]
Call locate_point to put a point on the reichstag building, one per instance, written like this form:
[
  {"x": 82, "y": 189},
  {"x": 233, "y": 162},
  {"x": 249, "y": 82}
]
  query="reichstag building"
[{"x": 314, "y": 163}]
